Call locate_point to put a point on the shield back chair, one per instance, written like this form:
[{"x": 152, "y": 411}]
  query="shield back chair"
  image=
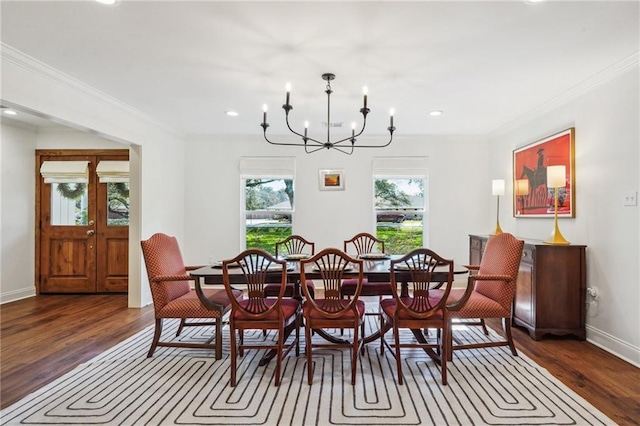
[
  {"x": 333, "y": 310},
  {"x": 423, "y": 308},
  {"x": 363, "y": 244},
  {"x": 173, "y": 296},
  {"x": 490, "y": 291},
  {"x": 292, "y": 248},
  {"x": 256, "y": 311}
]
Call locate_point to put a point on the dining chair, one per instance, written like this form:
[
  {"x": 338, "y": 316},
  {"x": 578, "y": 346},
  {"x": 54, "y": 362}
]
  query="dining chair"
[
  {"x": 490, "y": 292},
  {"x": 256, "y": 311},
  {"x": 422, "y": 309},
  {"x": 364, "y": 243},
  {"x": 292, "y": 248},
  {"x": 173, "y": 297},
  {"x": 333, "y": 310}
]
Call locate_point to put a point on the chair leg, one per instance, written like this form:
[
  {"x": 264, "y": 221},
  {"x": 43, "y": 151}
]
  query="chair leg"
[
  {"x": 298, "y": 324},
  {"x": 232, "y": 338},
  {"x": 279, "y": 353},
  {"x": 381, "y": 333},
  {"x": 484, "y": 327},
  {"x": 218, "y": 332},
  {"x": 183, "y": 321},
  {"x": 354, "y": 354},
  {"x": 444, "y": 351},
  {"x": 307, "y": 341},
  {"x": 506, "y": 324},
  {"x": 156, "y": 337},
  {"x": 396, "y": 338},
  {"x": 448, "y": 339}
]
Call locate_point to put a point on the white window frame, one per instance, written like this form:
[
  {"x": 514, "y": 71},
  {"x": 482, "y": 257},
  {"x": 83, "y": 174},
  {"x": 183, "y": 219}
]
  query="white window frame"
[
  {"x": 263, "y": 168},
  {"x": 403, "y": 168}
]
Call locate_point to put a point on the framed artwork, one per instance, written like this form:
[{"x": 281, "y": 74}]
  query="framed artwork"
[
  {"x": 531, "y": 196},
  {"x": 331, "y": 180}
]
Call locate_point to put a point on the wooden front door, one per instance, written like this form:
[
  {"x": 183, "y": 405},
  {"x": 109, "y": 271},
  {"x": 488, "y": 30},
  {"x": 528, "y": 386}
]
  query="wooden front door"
[{"x": 82, "y": 232}]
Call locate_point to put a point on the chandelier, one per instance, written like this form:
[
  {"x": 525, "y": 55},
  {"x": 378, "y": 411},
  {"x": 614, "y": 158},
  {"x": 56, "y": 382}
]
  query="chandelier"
[{"x": 346, "y": 145}]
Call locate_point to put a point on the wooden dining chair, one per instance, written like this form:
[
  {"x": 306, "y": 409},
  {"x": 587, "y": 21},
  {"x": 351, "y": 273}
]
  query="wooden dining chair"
[
  {"x": 422, "y": 309},
  {"x": 292, "y": 246},
  {"x": 490, "y": 291},
  {"x": 256, "y": 311},
  {"x": 333, "y": 310},
  {"x": 364, "y": 243},
  {"x": 173, "y": 297}
]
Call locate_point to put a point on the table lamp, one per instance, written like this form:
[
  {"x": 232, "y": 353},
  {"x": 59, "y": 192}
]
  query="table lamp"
[
  {"x": 497, "y": 189},
  {"x": 556, "y": 178},
  {"x": 522, "y": 189}
]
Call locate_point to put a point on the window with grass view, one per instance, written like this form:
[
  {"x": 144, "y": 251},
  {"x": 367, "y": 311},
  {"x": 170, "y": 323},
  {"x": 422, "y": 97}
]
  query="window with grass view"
[
  {"x": 400, "y": 203},
  {"x": 268, "y": 211}
]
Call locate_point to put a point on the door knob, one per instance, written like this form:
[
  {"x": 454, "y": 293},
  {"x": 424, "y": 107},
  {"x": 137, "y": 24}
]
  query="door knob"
[{"x": 91, "y": 232}]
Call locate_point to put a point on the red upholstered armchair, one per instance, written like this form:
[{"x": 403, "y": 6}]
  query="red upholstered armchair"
[
  {"x": 174, "y": 298},
  {"x": 490, "y": 291}
]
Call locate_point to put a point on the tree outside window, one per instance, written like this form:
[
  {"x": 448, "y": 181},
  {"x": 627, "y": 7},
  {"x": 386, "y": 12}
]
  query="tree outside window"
[
  {"x": 268, "y": 211},
  {"x": 399, "y": 209}
]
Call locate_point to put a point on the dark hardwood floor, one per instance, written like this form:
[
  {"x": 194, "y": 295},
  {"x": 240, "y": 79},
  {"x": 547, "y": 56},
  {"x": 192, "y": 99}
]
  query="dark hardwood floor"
[{"x": 43, "y": 337}]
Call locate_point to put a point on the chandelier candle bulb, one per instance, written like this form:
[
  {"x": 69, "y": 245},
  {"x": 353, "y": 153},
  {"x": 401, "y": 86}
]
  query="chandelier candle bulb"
[
  {"x": 306, "y": 127},
  {"x": 288, "y": 89},
  {"x": 264, "y": 113},
  {"x": 391, "y": 112},
  {"x": 353, "y": 129},
  {"x": 365, "y": 92}
]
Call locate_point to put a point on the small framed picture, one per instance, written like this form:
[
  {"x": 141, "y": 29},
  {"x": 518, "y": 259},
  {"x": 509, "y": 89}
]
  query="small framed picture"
[{"x": 331, "y": 180}]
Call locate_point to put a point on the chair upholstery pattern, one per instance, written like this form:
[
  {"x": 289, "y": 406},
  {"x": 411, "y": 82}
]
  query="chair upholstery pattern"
[
  {"x": 333, "y": 311},
  {"x": 424, "y": 307},
  {"x": 173, "y": 297},
  {"x": 257, "y": 312},
  {"x": 491, "y": 291},
  {"x": 294, "y": 244}
]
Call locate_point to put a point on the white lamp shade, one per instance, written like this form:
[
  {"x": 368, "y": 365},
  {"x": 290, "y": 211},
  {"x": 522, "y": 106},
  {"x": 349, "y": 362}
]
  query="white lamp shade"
[
  {"x": 497, "y": 187},
  {"x": 556, "y": 176},
  {"x": 522, "y": 186}
]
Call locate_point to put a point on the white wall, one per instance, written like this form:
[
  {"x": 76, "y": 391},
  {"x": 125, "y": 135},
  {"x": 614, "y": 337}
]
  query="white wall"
[
  {"x": 17, "y": 212},
  {"x": 157, "y": 153},
  {"x": 459, "y": 193},
  {"x": 606, "y": 120}
]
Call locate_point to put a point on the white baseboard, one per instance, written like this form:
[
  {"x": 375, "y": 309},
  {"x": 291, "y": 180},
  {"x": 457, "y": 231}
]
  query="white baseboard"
[
  {"x": 12, "y": 296},
  {"x": 613, "y": 345}
]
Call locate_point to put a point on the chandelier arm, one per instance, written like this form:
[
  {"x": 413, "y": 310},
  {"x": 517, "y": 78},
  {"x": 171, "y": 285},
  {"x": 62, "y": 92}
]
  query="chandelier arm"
[
  {"x": 307, "y": 149},
  {"x": 285, "y": 144},
  {"x": 376, "y": 146},
  {"x": 304, "y": 138},
  {"x": 342, "y": 150}
]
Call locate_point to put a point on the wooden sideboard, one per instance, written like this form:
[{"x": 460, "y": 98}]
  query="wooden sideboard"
[{"x": 551, "y": 287}]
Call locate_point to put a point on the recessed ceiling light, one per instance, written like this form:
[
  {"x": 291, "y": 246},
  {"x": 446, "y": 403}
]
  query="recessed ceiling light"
[
  {"x": 231, "y": 113},
  {"x": 109, "y": 2},
  {"x": 435, "y": 113},
  {"x": 10, "y": 112}
]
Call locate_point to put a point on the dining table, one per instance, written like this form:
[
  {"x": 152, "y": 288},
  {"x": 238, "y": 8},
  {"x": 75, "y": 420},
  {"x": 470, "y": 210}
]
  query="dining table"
[{"x": 375, "y": 269}]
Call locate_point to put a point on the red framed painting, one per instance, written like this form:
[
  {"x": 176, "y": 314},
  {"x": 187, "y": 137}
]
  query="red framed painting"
[{"x": 531, "y": 196}]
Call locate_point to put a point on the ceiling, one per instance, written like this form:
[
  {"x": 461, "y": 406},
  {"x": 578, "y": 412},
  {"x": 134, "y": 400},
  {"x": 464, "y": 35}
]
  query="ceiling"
[{"x": 485, "y": 64}]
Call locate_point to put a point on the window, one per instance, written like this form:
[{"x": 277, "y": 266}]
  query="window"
[
  {"x": 400, "y": 201},
  {"x": 69, "y": 204},
  {"x": 267, "y": 201}
]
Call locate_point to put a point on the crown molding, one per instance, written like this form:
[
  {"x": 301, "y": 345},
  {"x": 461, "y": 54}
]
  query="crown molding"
[
  {"x": 579, "y": 89},
  {"x": 30, "y": 64}
]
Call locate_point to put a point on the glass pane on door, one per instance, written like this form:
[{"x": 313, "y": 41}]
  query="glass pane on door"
[
  {"x": 69, "y": 204},
  {"x": 118, "y": 203}
]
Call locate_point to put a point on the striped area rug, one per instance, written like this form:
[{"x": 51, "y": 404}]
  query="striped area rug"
[{"x": 188, "y": 387}]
